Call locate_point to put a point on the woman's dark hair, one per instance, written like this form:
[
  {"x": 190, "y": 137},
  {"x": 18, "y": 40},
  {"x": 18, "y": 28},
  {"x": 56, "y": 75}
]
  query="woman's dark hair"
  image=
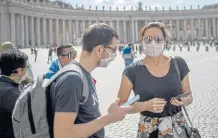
[
  {"x": 159, "y": 25},
  {"x": 11, "y": 60}
]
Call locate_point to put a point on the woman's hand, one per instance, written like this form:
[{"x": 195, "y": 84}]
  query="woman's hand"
[
  {"x": 156, "y": 105},
  {"x": 177, "y": 102},
  {"x": 182, "y": 101}
]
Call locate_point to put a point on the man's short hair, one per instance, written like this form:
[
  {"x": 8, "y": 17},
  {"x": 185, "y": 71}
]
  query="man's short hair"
[
  {"x": 61, "y": 48},
  {"x": 11, "y": 60},
  {"x": 98, "y": 34},
  {"x": 6, "y": 46}
]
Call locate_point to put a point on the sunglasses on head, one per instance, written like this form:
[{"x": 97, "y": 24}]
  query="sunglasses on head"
[{"x": 157, "y": 39}]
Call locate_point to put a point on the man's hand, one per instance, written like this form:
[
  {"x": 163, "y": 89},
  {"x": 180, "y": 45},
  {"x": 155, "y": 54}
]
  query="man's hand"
[{"x": 116, "y": 112}]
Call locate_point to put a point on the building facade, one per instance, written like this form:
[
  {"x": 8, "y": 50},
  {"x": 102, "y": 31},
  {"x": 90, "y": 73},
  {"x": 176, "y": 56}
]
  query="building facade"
[{"x": 30, "y": 23}]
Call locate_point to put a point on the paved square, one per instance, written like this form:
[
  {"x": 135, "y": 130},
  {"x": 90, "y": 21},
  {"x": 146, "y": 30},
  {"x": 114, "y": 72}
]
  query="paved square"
[{"x": 203, "y": 79}]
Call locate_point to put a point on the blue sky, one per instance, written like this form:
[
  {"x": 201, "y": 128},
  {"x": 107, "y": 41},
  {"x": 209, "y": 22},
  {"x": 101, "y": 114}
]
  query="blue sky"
[{"x": 152, "y": 3}]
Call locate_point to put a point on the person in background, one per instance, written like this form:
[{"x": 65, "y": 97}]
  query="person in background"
[
  {"x": 50, "y": 52},
  {"x": 36, "y": 53},
  {"x": 66, "y": 54},
  {"x": 29, "y": 77},
  {"x": 156, "y": 80},
  {"x": 128, "y": 54},
  {"x": 10, "y": 87}
]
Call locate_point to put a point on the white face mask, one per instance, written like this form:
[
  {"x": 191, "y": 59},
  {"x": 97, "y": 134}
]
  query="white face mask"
[
  {"x": 153, "y": 49},
  {"x": 105, "y": 62},
  {"x": 24, "y": 77}
]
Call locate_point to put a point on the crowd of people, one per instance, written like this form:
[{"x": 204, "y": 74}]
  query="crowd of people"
[{"x": 69, "y": 113}]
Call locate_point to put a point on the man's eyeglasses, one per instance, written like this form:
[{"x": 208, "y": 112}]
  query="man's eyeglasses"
[
  {"x": 157, "y": 39},
  {"x": 70, "y": 55},
  {"x": 114, "y": 50}
]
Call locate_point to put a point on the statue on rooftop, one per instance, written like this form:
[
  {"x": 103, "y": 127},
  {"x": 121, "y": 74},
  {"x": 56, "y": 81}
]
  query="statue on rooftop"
[{"x": 140, "y": 6}]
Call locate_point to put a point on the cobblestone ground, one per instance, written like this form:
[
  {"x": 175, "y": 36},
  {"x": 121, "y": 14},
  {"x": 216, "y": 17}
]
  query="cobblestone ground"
[{"x": 203, "y": 79}]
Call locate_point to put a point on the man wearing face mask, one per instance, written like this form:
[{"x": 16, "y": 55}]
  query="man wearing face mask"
[
  {"x": 68, "y": 117},
  {"x": 9, "y": 87},
  {"x": 28, "y": 77}
]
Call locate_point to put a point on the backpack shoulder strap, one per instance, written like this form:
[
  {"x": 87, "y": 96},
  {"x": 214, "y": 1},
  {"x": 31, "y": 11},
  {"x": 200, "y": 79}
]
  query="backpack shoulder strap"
[
  {"x": 85, "y": 93},
  {"x": 74, "y": 68}
]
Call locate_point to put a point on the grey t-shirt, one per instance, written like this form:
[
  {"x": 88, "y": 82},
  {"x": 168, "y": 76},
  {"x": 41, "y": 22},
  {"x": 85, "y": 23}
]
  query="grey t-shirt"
[
  {"x": 149, "y": 86},
  {"x": 67, "y": 96}
]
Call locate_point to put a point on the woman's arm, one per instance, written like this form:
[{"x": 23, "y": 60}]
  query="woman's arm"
[
  {"x": 185, "y": 88},
  {"x": 125, "y": 89}
]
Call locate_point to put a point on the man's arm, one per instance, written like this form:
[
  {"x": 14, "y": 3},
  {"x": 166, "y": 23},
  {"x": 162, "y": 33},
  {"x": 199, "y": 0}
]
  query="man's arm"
[
  {"x": 68, "y": 97},
  {"x": 64, "y": 127},
  {"x": 67, "y": 109}
]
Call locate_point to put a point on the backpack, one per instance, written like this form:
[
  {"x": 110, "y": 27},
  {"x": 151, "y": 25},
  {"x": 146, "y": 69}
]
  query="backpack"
[{"x": 29, "y": 116}]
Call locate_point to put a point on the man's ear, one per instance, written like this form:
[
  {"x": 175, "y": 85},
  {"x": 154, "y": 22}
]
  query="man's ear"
[
  {"x": 19, "y": 71},
  {"x": 98, "y": 50},
  {"x": 60, "y": 58}
]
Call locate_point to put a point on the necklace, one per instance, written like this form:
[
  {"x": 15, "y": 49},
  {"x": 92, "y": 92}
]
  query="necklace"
[{"x": 156, "y": 62}]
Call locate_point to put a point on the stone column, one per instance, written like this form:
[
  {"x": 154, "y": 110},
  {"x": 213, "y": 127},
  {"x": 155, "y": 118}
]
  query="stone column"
[
  {"x": 32, "y": 31},
  {"x": 90, "y": 22},
  {"x": 26, "y": 31},
  {"x": 171, "y": 25},
  {"x": 38, "y": 31},
  {"x": 214, "y": 28},
  {"x": 177, "y": 29},
  {"x": 84, "y": 27},
  {"x": 199, "y": 28},
  {"x": 44, "y": 33},
  {"x": 118, "y": 28},
  {"x": 136, "y": 31},
  {"x": 206, "y": 27},
  {"x": 22, "y": 30},
  {"x": 50, "y": 32},
  {"x": 13, "y": 34},
  {"x": 185, "y": 28},
  {"x": 111, "y": 24},
  {"x": 124, "y": 31},
  {"x": 70, "y": 31},
  {"x": 192, "y": 29},
  {"x": 145, "y": 22},
  {"x": 57, "y": 31},
  {"x": 63, "y": 31},
  {"x": 77, "y": 28},
  {"x": 133, "y": 30}
]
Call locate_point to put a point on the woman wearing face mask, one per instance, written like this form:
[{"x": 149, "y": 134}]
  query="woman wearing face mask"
[{"x": 156, "y": 80}]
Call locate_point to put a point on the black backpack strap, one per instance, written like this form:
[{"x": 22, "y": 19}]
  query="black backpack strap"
[{"x": 38, "y": 82}]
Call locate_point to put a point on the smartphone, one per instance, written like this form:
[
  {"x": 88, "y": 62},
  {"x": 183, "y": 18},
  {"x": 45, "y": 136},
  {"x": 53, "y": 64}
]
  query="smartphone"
[
  {"x": 132, "y": 100},
  {"x": 182, "y": 95}
]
